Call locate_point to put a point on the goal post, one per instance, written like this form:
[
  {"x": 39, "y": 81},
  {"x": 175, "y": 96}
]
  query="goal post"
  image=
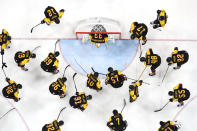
[{"x": 98, "y": 25}]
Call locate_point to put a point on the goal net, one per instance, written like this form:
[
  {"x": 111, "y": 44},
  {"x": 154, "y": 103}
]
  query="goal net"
[{"x": 98, "y": 25}]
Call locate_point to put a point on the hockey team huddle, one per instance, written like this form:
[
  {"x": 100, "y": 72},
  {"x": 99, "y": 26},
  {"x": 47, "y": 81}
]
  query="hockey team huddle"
[{"x": 114, "y": 77}]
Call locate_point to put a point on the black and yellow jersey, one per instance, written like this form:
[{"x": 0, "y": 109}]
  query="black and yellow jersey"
[
  {"x": 81, "y": 98},
  {"x": 180, "y": 93},
  {"x": 20, "y": 56},
  {"x": 51, "y": 13},
  {"x": 92, "y": 81},
  {"x": 179, "y": 57},
  {"x": 3, "y": 38},
  {"x": 168, "y": 126},
  {"x": 98, "y": 38},
  {"x": 117, "y": 120},
  {"x": 52, "y": 127},
  {"x": 56, "y": 87},
  {"x": 151, "y": 59},
  {"x": 139, "y": 30},
  {"x": 50, "y": 60},
  {"x": 9, "y": 90},
  {"x": 162, "y": 17},
  {"x": 114, "y": 77}
]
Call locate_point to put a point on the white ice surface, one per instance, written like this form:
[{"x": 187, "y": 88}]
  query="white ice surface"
[{"x": 39, "y": 107}]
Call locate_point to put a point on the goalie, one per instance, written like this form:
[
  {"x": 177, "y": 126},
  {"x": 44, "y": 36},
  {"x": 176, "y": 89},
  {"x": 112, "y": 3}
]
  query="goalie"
[{"x": 98, "y": 39}]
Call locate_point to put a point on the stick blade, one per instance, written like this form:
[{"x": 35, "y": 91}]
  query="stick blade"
[
  {"x": 74, "y": 75},
  {"x": 32, "y": 30},
  {"x": 157, "y": 110}
]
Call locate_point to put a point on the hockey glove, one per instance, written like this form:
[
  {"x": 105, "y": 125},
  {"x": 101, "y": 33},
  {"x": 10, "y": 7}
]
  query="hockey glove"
[
  {"x": 7, "y": 79},
  {"x": 62, "y": 10},
  {"x": 2, "y": 52},
  {"x": 169, "y": 64},
  {"x": 4, "y": 65},
  {"x": 42, "y": 22},
  {"x": 171, "y": 100}
]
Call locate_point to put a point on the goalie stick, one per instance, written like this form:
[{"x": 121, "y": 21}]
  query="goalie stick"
[{"x": 60, "y": 113}]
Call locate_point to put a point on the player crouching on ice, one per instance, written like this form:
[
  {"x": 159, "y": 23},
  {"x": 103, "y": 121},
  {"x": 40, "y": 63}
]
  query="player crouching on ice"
[
  {"x": 80, "y": 100},
  {"x": 54, "y": 126},
  {"x": 98, "y": 39},
  {"x": 116, "y": 122},
  {"x": 115, "y": 78},
  {"x": 22, "y": 58},
  {"x": 168, "y": 126},
  {"x": 138, "y": 31},
  {"x": 178, "y": 57},
  {"x": 59, "y": 87},
  {"x": 94, "y": 82},
  {"x": 52, "y": 15},
  {"x": 12, "y": 90},
  {"x": 179, "y": 94},
  {"x": 51, "y": 63},
  {"x": 161, "y": 19},
  {"x": 133, "y": 90}
]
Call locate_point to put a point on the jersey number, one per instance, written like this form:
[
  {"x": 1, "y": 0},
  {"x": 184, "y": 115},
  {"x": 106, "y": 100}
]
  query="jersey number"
[
  {"x": 50, "y": 127},
  {"x": 100, "y": 36},
  {"x": 48, "y": 61},
  {"x": 118, "y": 120},
  {"x": 51, "y": 12},
  {"x": 168, "y": 129},
  {"x": 180, "y": 57},
  {"x": 181, "y": 93},
  {"x": 56, "y": 85},
  {"x": 114, "y": 79},
  {"x": 91, "y": 83},
  {"x": 9, "y": 90},
  {"x": 153, "y": 59}
]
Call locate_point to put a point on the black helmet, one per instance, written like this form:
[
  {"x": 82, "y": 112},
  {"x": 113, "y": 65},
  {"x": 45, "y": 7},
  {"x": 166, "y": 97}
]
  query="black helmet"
[
  {"x": 170, "y": 93},
  {"x": 135, "y": 23},
  {"x": 57, "y": 21},
  {"x": 140, "y": 81},
  {"x": 169, "y": 59},
  {"x": 187, "y": 94},
  {"x": 19, "y": 86},
  {"x": 175, "y": 48},
  {"x": 161, "y": 18},
  {"x": 96, "y": 74},
  {"x": 60, "y": 123},
  {"x": 142, "y": 59},
  {"x": 158, "y": 11},
  {"x": 131, "y": 87},
  {"x": 110, "y": 69},
  {"x": 115, "y": 112},
  {"x": 57, "y": 53},
  {"x": 72, "y": 102},
  {"x": 89, "y": 97},
  {"x": 33, "y": 55},
  {"x": 64, "y": 79},
  {"x": 161, "y": 123}
]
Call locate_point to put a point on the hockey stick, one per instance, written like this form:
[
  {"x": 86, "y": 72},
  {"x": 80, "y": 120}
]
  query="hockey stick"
[
  {"x": 162, "y": 107},
  {"x": 141, "y": 73},
  {"x": 35, "y": 48},
  {"x": 7, "y": 113},
  {"x": 124, "y": 104},
  {"x": 65, "y": 69},
  {"x": 165, "y": 74},
  {"x": 80, "y": 66},
  {"x": 56, "y": 44},
  {"x": 95, "y": 71},
  {"x": 140, "y": 49},
  {"x": 34, "y": 27},
  {"x": 74, "y": 81},
  {"x": 136, "y": 80},
  {"x": 60, "y": 113}
]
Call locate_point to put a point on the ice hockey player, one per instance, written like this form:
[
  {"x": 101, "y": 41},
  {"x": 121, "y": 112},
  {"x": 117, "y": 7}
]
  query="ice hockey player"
[
  {"x": 98, "y": 39},
  {"x": 22, "y": 58},
  {"x": 133, "y": 90},
  {"x": 51, "y": 63},
  {"x": 54, "y": 126},
  {"x": 116, "y": 122},
  {"x": 80, "y": 100},
  {"x": 52, "y": 15},
  {"x": 178, "y": 57},
  {"x": 167, "y": 126},
  {"x": 12, "y": 90},
  {"x": 161, "y": 19},
  {"x": 115, "y": 78},
  {"x": 179, "y": 94},
  {"x": 59, "y": 87},
  {"x": 94, "y": 82},
  {"x": 152, "y": 60},
  {"x": 5, "y": 40},
  {"x": 138, "y": 31}
]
